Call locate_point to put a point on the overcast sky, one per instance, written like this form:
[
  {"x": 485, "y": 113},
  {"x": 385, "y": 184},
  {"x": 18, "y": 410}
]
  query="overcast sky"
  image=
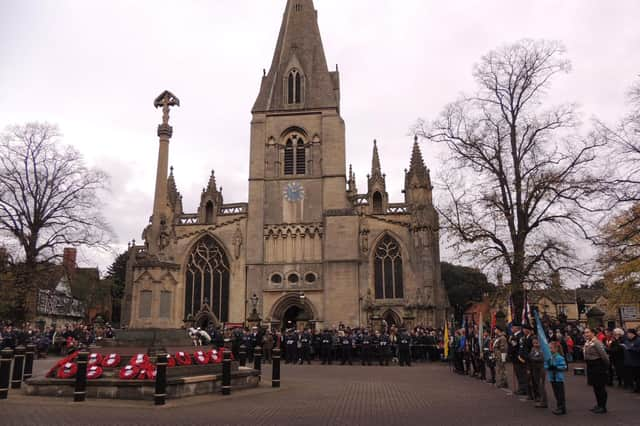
[{"x": 94, "y": 68}]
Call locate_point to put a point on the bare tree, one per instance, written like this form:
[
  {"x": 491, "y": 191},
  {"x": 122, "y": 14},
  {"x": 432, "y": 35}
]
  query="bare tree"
[
  {"x": 620, "y": 240},
  {"x": 48, "y": 199},
  {"x": 519, "y": 180}
]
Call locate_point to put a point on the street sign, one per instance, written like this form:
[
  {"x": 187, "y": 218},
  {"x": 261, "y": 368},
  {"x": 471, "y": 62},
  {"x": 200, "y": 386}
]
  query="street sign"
[{"x": 629, "y": 313}]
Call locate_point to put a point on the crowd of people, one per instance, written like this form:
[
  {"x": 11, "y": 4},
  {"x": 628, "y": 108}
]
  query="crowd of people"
[
  {"x": 59, "y": 339},
  {"x": 610, "y": 356},
  {"x": 339, "y": 345}
]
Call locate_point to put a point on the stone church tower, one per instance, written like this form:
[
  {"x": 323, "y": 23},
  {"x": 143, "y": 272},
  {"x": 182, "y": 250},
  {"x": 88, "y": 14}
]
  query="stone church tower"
[{"x": 307, "y": 248}]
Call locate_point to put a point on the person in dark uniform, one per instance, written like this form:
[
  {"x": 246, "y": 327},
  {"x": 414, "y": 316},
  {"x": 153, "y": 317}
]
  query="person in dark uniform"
[
  {"x": 316, "y": 343},
  {"x": 375, "y": 353},
  {"x": 305, "y": 347},
  {"x": 404, "y": 348},
  {"x": 237, "y": 341},
  {"x": 365, "y": 348},
  {"x": 384, "y": 344},
  {"x": 325, "y": 347},
  {"x": 346, "y": 345},
  {"x": 467, "y": 355},
  {"x": 488, "y": 360},
  {"x": 431, "y": 346},
  {"x": 254, "y": 340},
  {"x": 516, "y": 342},
  {"x": 476, "y": 355},
  {"x": 291, "y": 347},
  {"x": 526, "y": 345}
]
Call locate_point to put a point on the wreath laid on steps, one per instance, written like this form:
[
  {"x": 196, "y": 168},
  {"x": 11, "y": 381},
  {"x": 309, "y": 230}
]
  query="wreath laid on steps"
[
  {"x": 111, "y": 361},
  {"x": 201, "y": 357},
  {"x": 94, "y": 359},
  {"x": 94, "y": 372},
  {"x": 183, "y": 358},
  {"x": 129, "y": 372},
  {"x": 139, "y": 360},
  {"x": 67, "y": 370}
]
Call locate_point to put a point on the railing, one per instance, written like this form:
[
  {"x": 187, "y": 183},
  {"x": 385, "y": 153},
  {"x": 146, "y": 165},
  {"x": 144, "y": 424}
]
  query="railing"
[
  {"x": 188, "y": 219},
  {"x": 361, "y": 200},
  {"x": 397, "y": 208},
  {"x": 225, "y": 210},
  {"x": 229, "y": 209}
]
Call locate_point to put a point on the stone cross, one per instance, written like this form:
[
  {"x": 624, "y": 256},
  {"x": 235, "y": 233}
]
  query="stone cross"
[{"x": 166, "y": 100}]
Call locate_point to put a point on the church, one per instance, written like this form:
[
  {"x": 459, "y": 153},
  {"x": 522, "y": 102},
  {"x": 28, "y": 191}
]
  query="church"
[{"x": 307, "y": 249}]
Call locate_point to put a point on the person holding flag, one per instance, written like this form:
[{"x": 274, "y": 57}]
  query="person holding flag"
[
  {"x": 446, "y": 341},
  {"x": 555, "y": 365}
]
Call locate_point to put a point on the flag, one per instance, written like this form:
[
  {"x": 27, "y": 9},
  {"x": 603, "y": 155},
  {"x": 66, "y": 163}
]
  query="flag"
[
  {"x": 525, "y": 310},
  {"x": 493, "y": 330},
  {"x": 542, "y": 337},
  {"x": 480, "y": 332},
  {"x": 509, "y": 311},
  {"x": 446, "y": 341}
]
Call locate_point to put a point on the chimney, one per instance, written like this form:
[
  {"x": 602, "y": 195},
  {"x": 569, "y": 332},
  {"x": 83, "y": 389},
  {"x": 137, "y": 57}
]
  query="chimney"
[{"x": 69, "y": 260}]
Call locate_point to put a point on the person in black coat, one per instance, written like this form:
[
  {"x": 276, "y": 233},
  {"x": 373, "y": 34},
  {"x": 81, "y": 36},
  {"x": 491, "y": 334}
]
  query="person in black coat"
[
  {"x": 325, "y": 347},
  {"x": 597, "y": 365},
  {"x": 404, "y": 348}
]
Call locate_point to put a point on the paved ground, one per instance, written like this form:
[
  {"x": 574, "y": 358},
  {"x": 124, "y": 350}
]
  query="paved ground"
[{"x": 335, "y": 395}]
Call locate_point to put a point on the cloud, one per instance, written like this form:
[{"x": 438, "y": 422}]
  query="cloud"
[{"x": 94, "y": 68}]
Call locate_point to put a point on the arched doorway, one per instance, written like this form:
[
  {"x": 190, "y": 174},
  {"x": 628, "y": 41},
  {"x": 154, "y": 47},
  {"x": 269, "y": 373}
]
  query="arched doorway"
[
  {"x": 391, "y": 318},
  {"x": 293, "y": 310},
  {"x": 295, "y": 317}
]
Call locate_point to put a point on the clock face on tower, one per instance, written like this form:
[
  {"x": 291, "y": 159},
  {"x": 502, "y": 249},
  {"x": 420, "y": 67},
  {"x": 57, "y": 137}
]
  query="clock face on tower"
[{"x": 293, "y": 192}]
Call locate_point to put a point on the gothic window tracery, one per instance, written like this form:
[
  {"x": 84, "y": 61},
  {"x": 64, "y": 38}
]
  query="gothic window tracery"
[
  {"x": 207, "y": 279},
  {"x": 295, "y": 155},
  {"x": 388, "y": 269}
]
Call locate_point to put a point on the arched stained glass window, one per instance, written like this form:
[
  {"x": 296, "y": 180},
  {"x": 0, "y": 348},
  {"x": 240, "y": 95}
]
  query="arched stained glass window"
[
  {"x": 388, "y": 269},
  {"x": 207, "y": 279}
]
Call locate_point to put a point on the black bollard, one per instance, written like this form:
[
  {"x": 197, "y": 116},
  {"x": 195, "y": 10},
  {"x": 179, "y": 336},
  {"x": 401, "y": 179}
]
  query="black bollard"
[
  {"x": 5, "y": 372},
  {"x": 161, "y": 380},
  {"x": 243, "y": 355},
  {"x": 226, "y": 372},
  {"x": 28, "y": 361},
  {"x": 18, "y": 368},
  {"x": 257, "y": 359},
  {"x": 80, "y": 392},
  {"x": 275, "y": 369}
]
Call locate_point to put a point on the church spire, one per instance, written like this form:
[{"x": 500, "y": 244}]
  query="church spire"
[
  {"x": 299, "y": 53},
  {"x": 417, "y": 182},
  {"x": 211, "y": 186},
  {"x": 417, "y": 167},
  {"x": 174, "y": 197},
  {"x": 376, "y": 170},
  {"x": 352, "y": 190}
]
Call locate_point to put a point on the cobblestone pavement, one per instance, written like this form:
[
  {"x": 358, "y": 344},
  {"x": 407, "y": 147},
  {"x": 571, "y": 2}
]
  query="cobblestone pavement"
[{"x": 335, "y": 395}]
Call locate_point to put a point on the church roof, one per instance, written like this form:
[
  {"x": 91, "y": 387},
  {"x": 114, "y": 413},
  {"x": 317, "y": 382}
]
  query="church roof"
[{"x": 299, "y": 46}]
